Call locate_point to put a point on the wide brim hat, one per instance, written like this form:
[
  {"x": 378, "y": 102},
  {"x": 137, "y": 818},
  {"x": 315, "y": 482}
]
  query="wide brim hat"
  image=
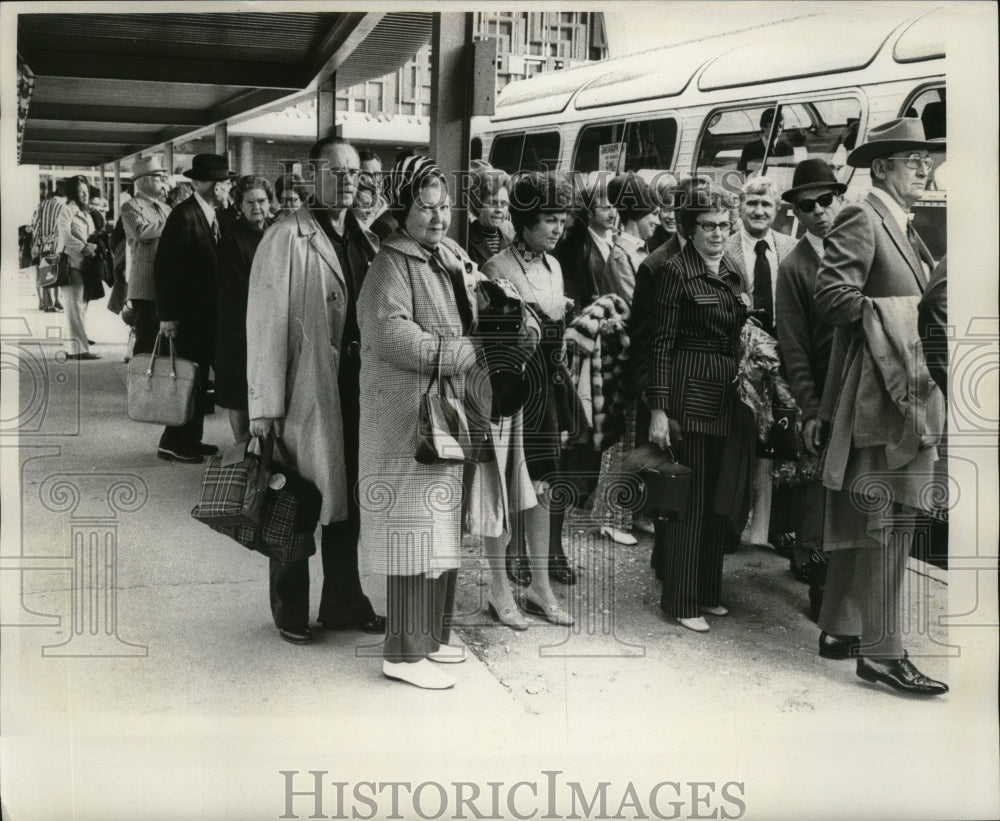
[
  {"x": 902, "y": 134},
  {"x": 144, "y": 166},
  {"x": 209, "y": 168},
  {"x": 810, "y": 175}
]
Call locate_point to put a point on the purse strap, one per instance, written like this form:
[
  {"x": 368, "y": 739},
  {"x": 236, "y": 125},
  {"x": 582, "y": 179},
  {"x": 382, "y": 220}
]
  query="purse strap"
[
  {"x": 436, "y": 373},
  {"x": 152, "y": 356}
]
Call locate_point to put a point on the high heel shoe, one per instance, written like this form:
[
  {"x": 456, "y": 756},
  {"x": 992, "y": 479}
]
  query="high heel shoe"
[
  {"x": 552, "y": 613},
  {"x": 619, "y": 536},
  {"x": 509, "y": 616}
]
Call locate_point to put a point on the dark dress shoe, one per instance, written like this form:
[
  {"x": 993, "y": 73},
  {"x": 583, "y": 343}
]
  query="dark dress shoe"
[
  {"x": 901, "y": 675},
  {"x": 560, "y": 570},
  {"x": 206, "y": 450},
  {"x": 86, "y": 356},
  {"x": 837, "y": 647},
  {"x": 297, "y": 635},
  {"x": 366, "y": 624},
  {"x": 518, "y": 570},
  {"x": 178, "y": 455}
]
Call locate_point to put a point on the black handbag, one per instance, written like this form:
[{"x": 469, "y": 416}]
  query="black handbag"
[
  {"x": 501, "y": 319},
  {"x": 655, "y": 484},
  {"x": 443, "y": 433},
  {"x": 782, "y": 439}
]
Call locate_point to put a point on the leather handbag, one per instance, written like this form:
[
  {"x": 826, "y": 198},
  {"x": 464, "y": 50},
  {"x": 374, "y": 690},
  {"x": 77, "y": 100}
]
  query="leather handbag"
[
  {"x": 782, "y": 439},
  {"x": 234, "y": 485},
  {"x": 656, "y": 485},
  {"x": 161, "y": 389},
  {"x": 52, "y": 271},
  {"x": 443, "y": 434}
]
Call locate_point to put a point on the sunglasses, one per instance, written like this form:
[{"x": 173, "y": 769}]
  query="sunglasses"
[{"x": 807, "y": 206}]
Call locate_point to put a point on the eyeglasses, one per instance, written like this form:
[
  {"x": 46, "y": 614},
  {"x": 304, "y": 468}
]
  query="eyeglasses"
[
  {"x": 709, "y": 227},
  {"x": 914, "y": 162},
  {"x": 807, "y": 206}
]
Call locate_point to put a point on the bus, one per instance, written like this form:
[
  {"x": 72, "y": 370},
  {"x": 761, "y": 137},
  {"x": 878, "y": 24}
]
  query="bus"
[{"x": 691, "y": 108}]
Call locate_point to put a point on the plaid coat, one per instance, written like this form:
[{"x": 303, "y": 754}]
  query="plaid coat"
[{"x": 411, "y": 514}]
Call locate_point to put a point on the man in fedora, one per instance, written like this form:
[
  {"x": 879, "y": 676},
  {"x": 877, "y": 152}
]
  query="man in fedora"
[
  {"x": 185, "y": 273},
  {"x": 143, "y": 218},
  {"x": 804, "y": 343},
  {"x": 885, "y": 413}
]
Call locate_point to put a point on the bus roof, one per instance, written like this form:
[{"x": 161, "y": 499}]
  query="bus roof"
[{"x": 803, "y": 46}]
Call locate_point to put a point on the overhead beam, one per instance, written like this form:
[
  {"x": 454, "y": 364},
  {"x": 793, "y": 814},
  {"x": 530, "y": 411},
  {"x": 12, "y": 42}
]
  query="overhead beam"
[
  {"x": 134, "y": 115},
  {"x": 243, "y": 102},
  {"x": 92, "y": 64},
  {"x": 344, "y": 37},
  {"x": 79, "y": 147},
  {"x": 97, "y": 135}
]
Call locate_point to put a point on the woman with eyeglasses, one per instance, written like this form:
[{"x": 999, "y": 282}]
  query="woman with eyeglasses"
[{"x": 699, "y": 307}]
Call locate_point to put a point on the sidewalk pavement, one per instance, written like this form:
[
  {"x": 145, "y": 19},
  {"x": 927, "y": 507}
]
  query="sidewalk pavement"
[{"x": 166, "y": 692}]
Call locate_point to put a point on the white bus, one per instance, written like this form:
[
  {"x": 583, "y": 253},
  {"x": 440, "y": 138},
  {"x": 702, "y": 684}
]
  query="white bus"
[{"x": 692, "y": 107}]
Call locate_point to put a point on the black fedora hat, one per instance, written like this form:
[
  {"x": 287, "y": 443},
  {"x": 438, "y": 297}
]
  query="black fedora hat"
[
  {"x": 209, "y": 168},
  {"x": 812, "y": 173}
]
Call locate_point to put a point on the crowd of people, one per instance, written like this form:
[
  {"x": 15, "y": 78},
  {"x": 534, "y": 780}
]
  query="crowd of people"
[{"x": 324, "y": 308}]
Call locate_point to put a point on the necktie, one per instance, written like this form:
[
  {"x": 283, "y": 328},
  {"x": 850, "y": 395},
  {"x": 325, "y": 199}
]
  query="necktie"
[
  {"x": 458, "y": 286},
  {"x": 911, "y": 235},
  {"x": 215, "y": 228},
  {"x": 763, "y": 299}
]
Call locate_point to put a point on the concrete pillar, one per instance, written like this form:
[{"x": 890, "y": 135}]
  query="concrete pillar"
[
  {"x": 118, "y": 187},
  {"x": 222, "y": 140},
  {"x": 104, "y": 184},
  {"x": 326, "y": 108},
  {"x": 451, "y": 107},
  {"x": 168, "y": 158},
  {"x": 246, "y": 155}
]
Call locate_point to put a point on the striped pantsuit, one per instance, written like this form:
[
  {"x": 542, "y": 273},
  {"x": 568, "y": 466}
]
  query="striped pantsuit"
[
  {"x": 692, "y": 548},
  {"x": 418, "y": 615}
]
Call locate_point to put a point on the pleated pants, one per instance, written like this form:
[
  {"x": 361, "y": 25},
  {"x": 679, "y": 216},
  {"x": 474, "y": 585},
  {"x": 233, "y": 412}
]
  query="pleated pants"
[{"x": 418, "y": 615}]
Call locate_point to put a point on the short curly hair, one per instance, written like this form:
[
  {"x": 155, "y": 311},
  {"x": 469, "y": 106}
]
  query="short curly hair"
[
  {"x": 251, "y": 182},
  {"x": 486, "y": 182},
  {"x": 704, "y": 198},
  {"x": 533, "y": 194}
]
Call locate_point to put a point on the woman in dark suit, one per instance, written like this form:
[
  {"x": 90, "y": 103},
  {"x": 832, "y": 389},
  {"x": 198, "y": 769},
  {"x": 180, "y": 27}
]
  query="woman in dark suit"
[
  {"x": 700, "y": 306},
  {"x": 253, "y": 197}
]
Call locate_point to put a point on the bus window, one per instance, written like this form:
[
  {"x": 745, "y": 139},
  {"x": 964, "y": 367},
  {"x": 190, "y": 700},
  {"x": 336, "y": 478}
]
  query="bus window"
[
  {"x": 541, "y": 151},
  {"x": 476, "y": 149},
  {"x": 506, "y": 152},
  {"x": 620, "y": 147},
  {"x": 733, "y": 140},
  {"x": 526, "y": 152}
]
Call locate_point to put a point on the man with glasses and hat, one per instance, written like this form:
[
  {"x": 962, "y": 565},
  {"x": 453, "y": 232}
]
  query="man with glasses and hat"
[
  {"x": 804, "y": 342},
  {"x": 185, "y": 274},
  {"x": 143, "y": 218},
  {"x": 886, "y": 415}
]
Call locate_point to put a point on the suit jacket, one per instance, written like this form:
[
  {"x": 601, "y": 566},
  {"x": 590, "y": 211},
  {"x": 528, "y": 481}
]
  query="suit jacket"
[
  {"x": 186, "y": 275},
  {"x": 866, "y": 256},
  {"x": 695, "y": 346},
  {"x": 660, "y": 237},
  {"x": 143, "y": 221},
  {"x": 754, "y": 152},
  {"x": 479, "y": 250},
  {"x": 783, "y": 246},
  {"x": 804, "y": 338},
  {"x": 582, "y": 265},
  {"x": 932, "y": 322},
  {"x": 641, "y": 316}
]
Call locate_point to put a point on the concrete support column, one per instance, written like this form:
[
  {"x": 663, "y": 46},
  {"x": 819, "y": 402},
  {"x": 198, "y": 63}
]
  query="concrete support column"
[
  {"x": 222, "y": 140},
  {"x": 246, "y": 156},
  {"x": 451, "y": 107},
  {"x": 118, "y": 187},
  {"x": 168, "y": 158},
  {"x": 326, "y": 108},
  {"x": 104, "y": 185}
]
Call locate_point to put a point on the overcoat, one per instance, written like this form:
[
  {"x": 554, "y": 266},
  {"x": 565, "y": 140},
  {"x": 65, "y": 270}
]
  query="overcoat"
[
  {"x": 296, "y": 305},
  {"x": 479, "y": 249},
  {"x": 867, "y": 257},
  {"x": 411, "y": 513}
]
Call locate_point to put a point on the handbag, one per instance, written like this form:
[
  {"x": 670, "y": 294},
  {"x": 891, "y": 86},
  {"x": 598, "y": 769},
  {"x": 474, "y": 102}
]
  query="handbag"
[
  {"x": 443, "y": 434},
  {"x": 289, "y": 512},
  {"x": 161, "y": 389},
  {"x": 656, "y": 484},
  {"x": 52, "y": 271},
  {"x": 782, "y": 439},
  {"x": 232, "y": 490}
]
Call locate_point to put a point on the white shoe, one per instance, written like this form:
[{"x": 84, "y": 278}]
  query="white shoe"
[
  {"x": 718, "y": 610},
  {"x": 448, "y": 654},
  {"x": 698, "y": 624},
  {"x": 421, "y": 674},
  {"x": 619, "y": 536},
  {"x": 644, "y": 525}
]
